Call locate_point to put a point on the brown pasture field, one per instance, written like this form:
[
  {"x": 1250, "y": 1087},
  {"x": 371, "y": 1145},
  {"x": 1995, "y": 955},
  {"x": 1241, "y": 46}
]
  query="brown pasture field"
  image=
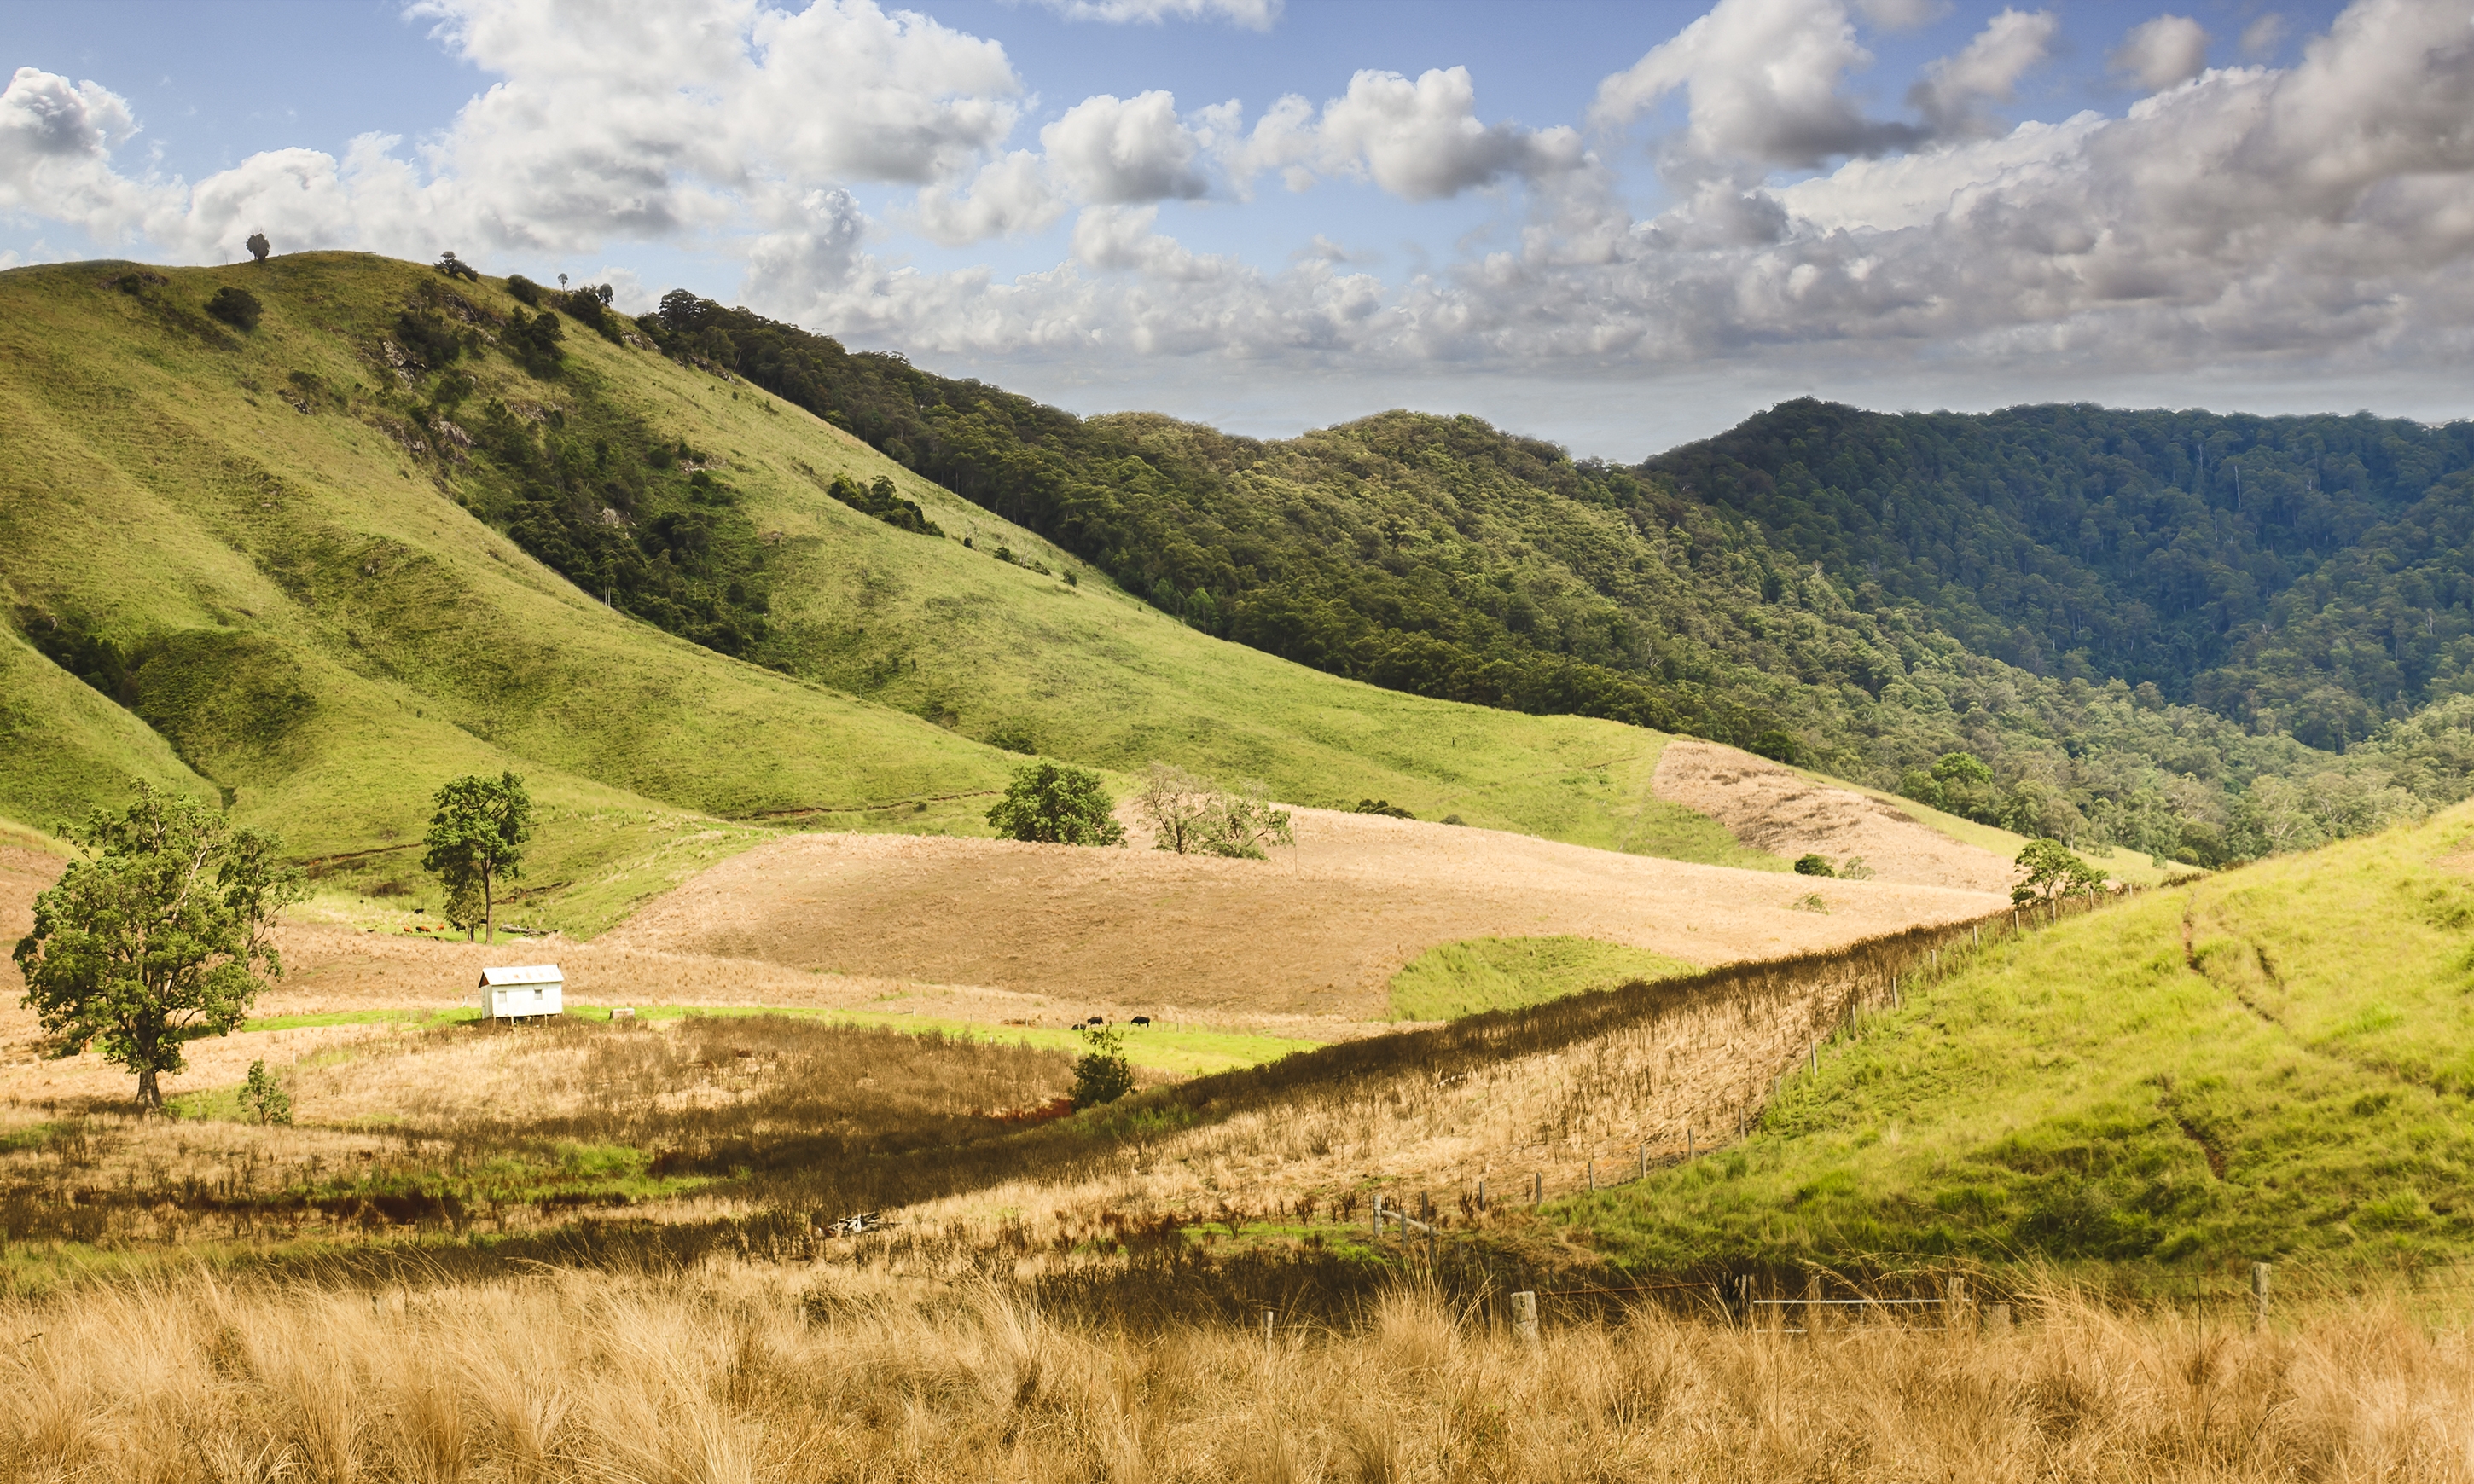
[
  {"x": 1315, "y": 930},
  {"x": 1775, "y": 809}
]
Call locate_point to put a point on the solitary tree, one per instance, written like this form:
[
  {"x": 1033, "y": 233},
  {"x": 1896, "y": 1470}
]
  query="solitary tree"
[
  {"x": 258, "y": 247},
  {"x": 1245, "y": 821},
  {"x": 476, "y": 839},
  {"x": 158, "y": 933},
  {"x": 2052, "y": 870},
  {"x": 1053, "y": 804},
  {"x": 1177, "y": 805}
]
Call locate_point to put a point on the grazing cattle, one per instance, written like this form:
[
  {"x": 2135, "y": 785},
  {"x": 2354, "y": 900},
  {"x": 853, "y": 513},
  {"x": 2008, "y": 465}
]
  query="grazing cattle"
[
  {"x": 1142, "y": 1019},
  {"x": 1097, "y": 1021}
]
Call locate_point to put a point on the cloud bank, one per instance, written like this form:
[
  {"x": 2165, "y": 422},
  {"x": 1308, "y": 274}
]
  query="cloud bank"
[{"x": 2317, "y": 214}]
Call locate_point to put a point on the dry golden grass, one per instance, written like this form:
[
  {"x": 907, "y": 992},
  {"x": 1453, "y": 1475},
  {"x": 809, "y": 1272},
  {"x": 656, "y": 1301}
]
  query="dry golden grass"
[{"x": 744, "y": 1372}]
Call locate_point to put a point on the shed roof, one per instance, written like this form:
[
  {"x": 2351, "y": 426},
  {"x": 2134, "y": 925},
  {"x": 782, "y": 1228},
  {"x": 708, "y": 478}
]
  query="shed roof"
[{"x": 536, "y": 973}]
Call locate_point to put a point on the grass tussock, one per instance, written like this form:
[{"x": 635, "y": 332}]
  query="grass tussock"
[{"x": 745, "y": 1372}]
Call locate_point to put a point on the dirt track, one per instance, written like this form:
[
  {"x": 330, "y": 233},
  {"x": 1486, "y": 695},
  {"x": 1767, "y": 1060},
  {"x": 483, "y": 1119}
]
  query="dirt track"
[
  {"x": 1315, "y": 930},
  {"x": 1771, "y": 808}
]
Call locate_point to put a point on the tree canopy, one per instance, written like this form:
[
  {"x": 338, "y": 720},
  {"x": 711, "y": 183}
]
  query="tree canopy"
[
  {"x": 1051, "y": 803},
  {"x": 159, "y": 932},
  {"x": 476, "y": 840}
]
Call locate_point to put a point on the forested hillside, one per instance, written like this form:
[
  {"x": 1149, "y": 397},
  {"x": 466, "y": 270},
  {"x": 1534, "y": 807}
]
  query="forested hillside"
[
  {"x": 2305, "y": 574},
  {"x": 1443, "y": 557}
]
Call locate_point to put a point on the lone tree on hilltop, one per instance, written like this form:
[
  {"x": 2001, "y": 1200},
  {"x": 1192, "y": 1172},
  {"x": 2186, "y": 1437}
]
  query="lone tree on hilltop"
[
  {"x": 476, "y": 839},
  {"x": 1050, "y": 803},
  {"x": 258, "y": 247},
  {"x": 157, "y": 934}
]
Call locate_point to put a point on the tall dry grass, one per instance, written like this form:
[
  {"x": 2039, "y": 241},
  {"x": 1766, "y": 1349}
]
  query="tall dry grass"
[{"x": 744, "y": 1372}]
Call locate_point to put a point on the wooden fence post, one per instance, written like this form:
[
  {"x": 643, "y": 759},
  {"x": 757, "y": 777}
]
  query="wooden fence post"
[
  {"x": 1378, "y": 1218},
  {"x": 1642, "y": 1153},
  {"x": 1267, "y": 1330},
  {"x": 1481, "y": 1195},
  {"x": 1953, "y": 1303},
  {"x": 2259, "y": 1295},
  {"x": 1524, "y": 1317},
  {"x": 1687, "y": 1141},
  {"x": 1537, "y": 1188},
  {"x": 1744, "y": 1299}
]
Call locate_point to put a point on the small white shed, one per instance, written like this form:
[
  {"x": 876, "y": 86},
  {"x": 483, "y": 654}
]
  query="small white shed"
[{"x": 519, "y": 993}]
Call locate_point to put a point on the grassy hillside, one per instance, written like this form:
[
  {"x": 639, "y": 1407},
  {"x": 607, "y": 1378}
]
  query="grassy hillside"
[
  {"x": 2271, "y": 1064},
  {"x": 291, "y": 564},
  {"x": 1454, "y": 979},
  {"x": 1446, "y": 558}
]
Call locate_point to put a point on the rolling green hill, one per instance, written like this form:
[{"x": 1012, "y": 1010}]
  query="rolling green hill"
[
  {"x": 399, "y": 530},
  {"x": 1441, "y": 557},
  {"x": 2271, "y": 1064}
]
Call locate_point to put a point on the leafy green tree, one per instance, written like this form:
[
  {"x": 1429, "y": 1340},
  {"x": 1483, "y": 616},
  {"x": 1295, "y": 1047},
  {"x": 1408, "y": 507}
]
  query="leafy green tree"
[
  {"x": 1050, "y": 803},
  {"x": 263, "y": 1098},
  {"x": 158, "y": 933},
  {"x": 258, "y": 247},
  {"x": 1243, "y": 823},
  {"x": 1102, "y": 1076},
  {"x": 476, "y": 839},
  {"x": 2050, "y": 870},
  {"x": 1813, "y": 865},
  {"x": 464, "y": 911}
]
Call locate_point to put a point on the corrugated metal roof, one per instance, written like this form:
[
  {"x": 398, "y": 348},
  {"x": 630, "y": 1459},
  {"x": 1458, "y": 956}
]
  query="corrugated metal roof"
[{"x": 536, "y": 973}]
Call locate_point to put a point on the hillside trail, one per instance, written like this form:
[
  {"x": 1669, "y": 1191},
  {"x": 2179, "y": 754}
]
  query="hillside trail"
[
  {"x": 1319, "y": 929},
  {"x": 1775, "y": 809}
]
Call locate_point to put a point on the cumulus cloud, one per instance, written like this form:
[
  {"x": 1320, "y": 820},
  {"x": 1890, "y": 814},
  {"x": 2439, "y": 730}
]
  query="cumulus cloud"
[
  {"x": 1419, "y": 140},
  {"x": 1256, "y": 15},
  {"x": 2317, "y": 215},
  {"x": 2159, "y": 52},
  {"x": 1955, "y": 88},
  {"x": 1765, "y": 84},
  {"x": 2262, "y": 37},
  {"x": 1114, "y": 150}
]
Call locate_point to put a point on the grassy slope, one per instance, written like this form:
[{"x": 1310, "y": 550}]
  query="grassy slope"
[
  {"x": 345, "y": 636},
  {"x": 2121, "y": 865},
  {"x": 1454, "y": 979},
  {"x": 2102, "y": 1091}
]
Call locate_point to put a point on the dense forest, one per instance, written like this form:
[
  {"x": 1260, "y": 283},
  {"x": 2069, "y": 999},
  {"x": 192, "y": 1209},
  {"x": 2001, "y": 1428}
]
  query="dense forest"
[
  {"x": 1443, "y": 557},
  {"x": 2305, "y": 574}
]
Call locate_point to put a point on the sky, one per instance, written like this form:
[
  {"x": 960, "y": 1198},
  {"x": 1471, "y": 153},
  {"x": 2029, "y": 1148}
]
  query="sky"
[{"x": 1619, "y": 227}]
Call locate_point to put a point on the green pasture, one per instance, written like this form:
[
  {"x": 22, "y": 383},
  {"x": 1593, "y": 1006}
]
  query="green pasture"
[{"x": 1454, "y": 979}]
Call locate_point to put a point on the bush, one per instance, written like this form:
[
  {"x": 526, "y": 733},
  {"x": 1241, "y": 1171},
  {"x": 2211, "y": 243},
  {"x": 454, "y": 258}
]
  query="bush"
[
  {"x": 1778, "y": 747},
  {"x": 1383, "y": 806},
  {"x": 455, "y": 267},
  {"x": 263, "y": 1098},
  {"x": 1050, "y": 805},
  {"x": 1102, "y": 1076},
  {"x": 524, "y": 290},
  {"x": 238, "y": 308},
  {"x": 534, "y": 341},
  {"x": 1812, "y": 865}
]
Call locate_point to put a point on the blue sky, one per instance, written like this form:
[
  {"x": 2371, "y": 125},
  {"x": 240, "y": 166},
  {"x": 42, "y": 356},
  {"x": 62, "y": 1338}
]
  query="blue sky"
[{"x": 1617, "y": 226}]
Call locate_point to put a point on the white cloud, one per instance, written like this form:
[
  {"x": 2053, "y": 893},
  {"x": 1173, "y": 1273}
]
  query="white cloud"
[
  {"x": 2159, "y": 52},
  {"x": 1113, "y": 150},
  {"x": 1009, "y": 196},
  {"x": 56, "y": 142},
  {"x": 1419, "y": 140},
  {"x": 1987, "y": 71},
  {"x": 1765, "y": 82},
  {"x": 1256, "y": 15}
]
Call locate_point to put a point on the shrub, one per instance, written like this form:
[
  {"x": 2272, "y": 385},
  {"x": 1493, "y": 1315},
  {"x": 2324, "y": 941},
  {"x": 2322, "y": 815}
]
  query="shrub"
[
  {"x": 524, "y": 290},
  {"x": 1049, "y": 803},
  {"x": 534, "y": 341},
  {"x": 263, "y": 1098},
  {"x": 1813, "y": 865},
  {"x": 1102, "y": 1076},
  {"x": 428, "y": 339},
  {"x": 1778, "y": 747},
  {"x": 455, "y": 267},
  {"x": 1383, "y": 806},
  {"x": 238, "y": 308},
  {"x": 878, "y": 498}
]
